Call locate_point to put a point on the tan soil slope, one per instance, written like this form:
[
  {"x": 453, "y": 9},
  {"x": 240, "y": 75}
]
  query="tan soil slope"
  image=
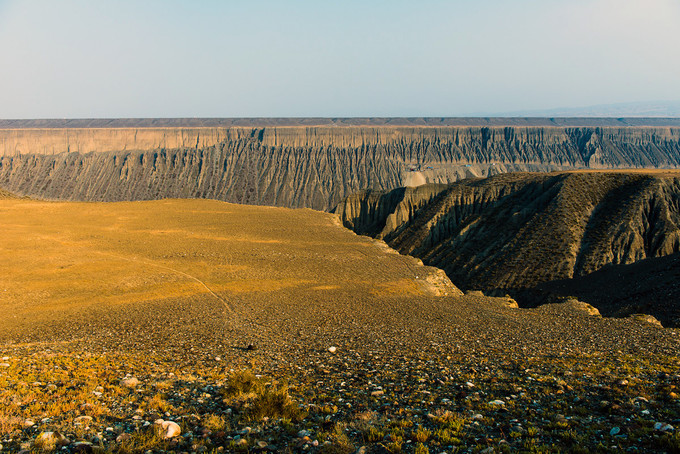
[{"x": 72, "y": 270}]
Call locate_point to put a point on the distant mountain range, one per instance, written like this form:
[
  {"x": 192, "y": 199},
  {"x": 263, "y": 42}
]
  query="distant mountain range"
[{"x": 633, "y": 109}]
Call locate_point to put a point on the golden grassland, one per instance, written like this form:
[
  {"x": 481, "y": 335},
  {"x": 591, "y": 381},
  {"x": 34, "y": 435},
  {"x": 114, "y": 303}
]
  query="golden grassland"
[{"x": 58, "y": 258}]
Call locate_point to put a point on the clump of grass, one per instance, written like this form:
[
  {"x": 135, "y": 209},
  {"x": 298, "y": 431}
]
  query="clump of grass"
[
  {"x": 240, "y": 383},
  {"x": 372, "y": 435},
  {"x": 158, "y": 403},
  {"x": 259, "y": 399},
  {"x": 670, "y": 443},
  {"x": 339, "y": 441},
  {"x": 449, "y": 420},
  {"x": 216, "y": 423},
  {"x": 421, "y": 435},
  {"x": 421, "y": 449},
  {"x": 141, "y": 441},
  {"x": 394, "y": 446}
]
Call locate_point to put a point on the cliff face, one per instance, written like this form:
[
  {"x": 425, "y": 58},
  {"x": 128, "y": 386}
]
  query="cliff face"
[
  {"x": 304, "y": 166},
  {"x": 515, "y": 231}
]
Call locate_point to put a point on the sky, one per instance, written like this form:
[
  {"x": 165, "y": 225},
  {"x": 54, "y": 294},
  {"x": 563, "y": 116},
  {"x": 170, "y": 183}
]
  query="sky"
[{"x": 315, "y": 58}]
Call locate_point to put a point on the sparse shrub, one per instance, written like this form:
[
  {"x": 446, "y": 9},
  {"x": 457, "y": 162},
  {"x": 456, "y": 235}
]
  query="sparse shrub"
[
  {"x": 242, "y": 382},
  {"x": 259, "y": 400},
  {"x": 373, "y": 435},
  {"x": 421, "y": 434},
  {"x": 141, "y": 441},
  {"x": 274, "y": 402},
  {"x": 215, "y": 423},
  {"x": 158, "y": 403},
  {"x": 421, "y": 449},
  {"x": 340, "y": 442},
  {"x": 395, "y": 444},
  {"x": 671, "y": 443}
]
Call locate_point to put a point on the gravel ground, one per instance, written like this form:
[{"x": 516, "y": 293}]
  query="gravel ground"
[
  {"x": 455, "y": 375},
  {"x": 297, "y": 337}
]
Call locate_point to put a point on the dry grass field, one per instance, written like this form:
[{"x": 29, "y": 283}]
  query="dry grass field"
[
  {"x": 117, "y": 315},
  {"x": 65, "y": 262}
]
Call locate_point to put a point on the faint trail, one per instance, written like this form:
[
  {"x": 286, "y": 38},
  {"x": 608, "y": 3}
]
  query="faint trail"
[{"x": 228, "y": 306}]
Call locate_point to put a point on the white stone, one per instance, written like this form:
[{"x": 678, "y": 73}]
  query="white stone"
[
  {"x": 332, "y": 349},
  {"x": 663, "y": 427},
  {"x": 131, "y": 382},
  {"x": 171, "y": 429}
]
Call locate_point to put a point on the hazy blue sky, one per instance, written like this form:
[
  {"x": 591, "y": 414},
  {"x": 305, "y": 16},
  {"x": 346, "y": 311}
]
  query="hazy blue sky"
[{"x": 245, "y": 58}]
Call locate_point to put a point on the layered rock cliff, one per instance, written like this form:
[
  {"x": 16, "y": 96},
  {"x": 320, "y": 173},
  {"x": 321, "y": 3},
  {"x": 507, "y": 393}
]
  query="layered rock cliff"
[
  {"x": 512, "y": 232},
  {"x": 303, "y": 166}
]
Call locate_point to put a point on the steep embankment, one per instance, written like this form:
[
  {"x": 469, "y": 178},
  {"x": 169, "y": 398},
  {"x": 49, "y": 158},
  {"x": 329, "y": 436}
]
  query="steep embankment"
[
  {"x": 301, "y": 165},
  {"x": 513, "y": 232}
]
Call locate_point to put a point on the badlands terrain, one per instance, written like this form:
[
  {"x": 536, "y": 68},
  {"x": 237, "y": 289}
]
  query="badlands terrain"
[
  {"x": 311, "y": 163},
  {"x": 538, "y": 235},
  {"x": 142, "y": 312},
  {"x": 250, "y": 328}
]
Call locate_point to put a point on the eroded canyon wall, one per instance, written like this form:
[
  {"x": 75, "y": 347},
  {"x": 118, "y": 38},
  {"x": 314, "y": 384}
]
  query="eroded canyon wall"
[
  {"x": 303, "y": 166},
  {"x": 515, "y": 231}
]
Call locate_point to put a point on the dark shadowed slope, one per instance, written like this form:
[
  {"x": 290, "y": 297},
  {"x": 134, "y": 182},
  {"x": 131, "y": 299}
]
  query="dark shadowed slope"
[
  {"x": 514, "y": 232},
  {"x": 650, "y": 286}
]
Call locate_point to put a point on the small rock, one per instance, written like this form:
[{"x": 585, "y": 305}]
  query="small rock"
[
  {"x": 614, "y": 431},
  {"x": 303, "y": 433},
  {"x": 131, "y": 382},
  {"x": 122, "y": 437},
  {"x": 663, "y": 427},
  {"x": 83, "y": 447},
  {"x": 511, "y": 303},
  {"x": 332, "y": 349},
  {"x": 4, "y": 364},
  {"x": 168, "y": 429},
  {"x": 49, "y": 440},
  {"x": 251, "y": 347},
  {"x": 377, "y": 393},
  {"x": 83, "y": 419},
  {"x": 474, "y": 293},
  {"x": 580, "y": 306},
  {"x": 647, "y": 319},
  {"x": 29, "y": 423},
  {"x": 496, "y": 402}
]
